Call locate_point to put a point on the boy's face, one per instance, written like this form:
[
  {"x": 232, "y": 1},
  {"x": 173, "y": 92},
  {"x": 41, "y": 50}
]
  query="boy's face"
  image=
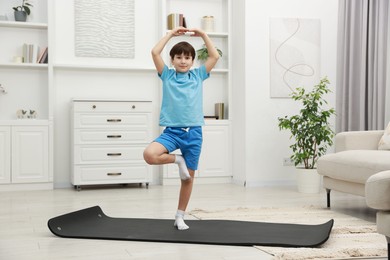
[{"x": 182, "y": 62}]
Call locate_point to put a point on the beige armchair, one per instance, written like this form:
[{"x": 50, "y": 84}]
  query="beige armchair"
[
  {"x": 358, "y": 167},
  {"x": 378, "y": 197},
  {"x": 355, "y": 160}
]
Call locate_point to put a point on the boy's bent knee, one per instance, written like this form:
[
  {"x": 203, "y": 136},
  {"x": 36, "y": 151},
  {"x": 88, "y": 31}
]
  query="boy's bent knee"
[{"x": 148, "y": 157}]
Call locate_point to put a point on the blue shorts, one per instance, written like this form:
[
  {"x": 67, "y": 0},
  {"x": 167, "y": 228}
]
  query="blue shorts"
[{"x": 188, "y": 140}]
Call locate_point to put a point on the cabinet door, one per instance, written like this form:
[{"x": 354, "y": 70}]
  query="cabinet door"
[
  {"x": 5, "y": 154},
  {"x": 214, "y": 159},
  {"x": 30, "y": 154}
]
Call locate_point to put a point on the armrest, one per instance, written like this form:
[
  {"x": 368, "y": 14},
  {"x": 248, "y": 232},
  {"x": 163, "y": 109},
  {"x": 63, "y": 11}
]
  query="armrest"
[
  {"x": 378, "y": 191},
  {"x": 358, "y": 140}
]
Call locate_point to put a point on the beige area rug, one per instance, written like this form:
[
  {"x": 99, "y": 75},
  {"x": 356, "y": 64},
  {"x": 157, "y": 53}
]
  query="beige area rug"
[{"x": 351, "y": 238}]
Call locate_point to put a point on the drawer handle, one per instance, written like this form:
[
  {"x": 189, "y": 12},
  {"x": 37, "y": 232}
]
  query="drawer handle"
[
  {"x": 114, "y": 120},
  {"x": 114, "y": 174},
  {"x": 114, "y": 136},
  {"x": 133, "y": 106},
  {"x": 114, "y": 154}
]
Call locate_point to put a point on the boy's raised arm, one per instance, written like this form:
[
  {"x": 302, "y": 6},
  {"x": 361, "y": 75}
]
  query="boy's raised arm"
[{"x": 213, "y": 53}]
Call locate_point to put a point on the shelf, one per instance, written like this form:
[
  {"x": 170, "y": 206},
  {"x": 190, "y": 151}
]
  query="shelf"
[
  {"x": 211, "y": 34},
  {"x": 23, "y": 25},
  {"x": 101, "y": 67},
  {"x": 24, "y": 65},
  {"x": 24, "y": 122},
  {"x": 222, "y": 71},
  {"x": 217, "y": 122}
]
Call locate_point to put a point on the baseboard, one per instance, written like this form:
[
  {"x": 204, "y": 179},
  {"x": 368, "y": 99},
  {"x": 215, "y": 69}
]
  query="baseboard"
[
  {"x": 199, "y": 180},
  {"x": 270, "y": 183},
  {"x": 26, "y": 186}
]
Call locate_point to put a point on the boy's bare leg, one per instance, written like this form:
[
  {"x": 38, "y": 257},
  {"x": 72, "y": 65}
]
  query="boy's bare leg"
[
  {"x": 184, "y": 198},
  {"x": 185, "y": 191}
]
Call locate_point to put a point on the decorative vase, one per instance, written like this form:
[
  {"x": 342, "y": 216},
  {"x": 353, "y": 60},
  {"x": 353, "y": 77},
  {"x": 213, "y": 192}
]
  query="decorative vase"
[
  {"x": 208, "y": 23},
  {"x": 308, "y": 180},
  {"x": 20, "y": 16}
]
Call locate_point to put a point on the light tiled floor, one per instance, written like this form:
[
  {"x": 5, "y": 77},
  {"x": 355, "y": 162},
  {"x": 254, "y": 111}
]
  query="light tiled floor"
[{"x": 24, "y": 215}]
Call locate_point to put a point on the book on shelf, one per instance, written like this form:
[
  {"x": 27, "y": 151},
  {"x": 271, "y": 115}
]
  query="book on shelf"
[
  {"x": 175, "y": 20},
  {"x": 30, "y": 53},
  {"x": 43, "y": 56}
]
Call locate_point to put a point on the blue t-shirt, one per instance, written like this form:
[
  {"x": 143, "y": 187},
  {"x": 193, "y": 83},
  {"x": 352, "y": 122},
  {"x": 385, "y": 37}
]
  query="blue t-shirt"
[{"x": 182, "y": 98}]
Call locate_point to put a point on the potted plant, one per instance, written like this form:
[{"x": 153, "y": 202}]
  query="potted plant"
[
  {"x": 309, "y": 128},
  {"x": 22, "y": 11},
  {"x": 203, "y": 53}
]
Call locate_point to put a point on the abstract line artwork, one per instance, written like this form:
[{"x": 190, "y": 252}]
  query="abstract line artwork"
[
  {"x": 294, "y": 54},
  {"x": 104, "y": 28}
]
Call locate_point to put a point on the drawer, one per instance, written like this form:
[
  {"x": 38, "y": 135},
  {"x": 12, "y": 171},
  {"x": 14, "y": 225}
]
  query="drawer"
[
  {"x": 112, "y": 106},
  {"x": 112, "y": 120},
  {"x": 91, "y": 136},
  {"x": 109, "y": 174},
  {"x": 90, "y": 154}
]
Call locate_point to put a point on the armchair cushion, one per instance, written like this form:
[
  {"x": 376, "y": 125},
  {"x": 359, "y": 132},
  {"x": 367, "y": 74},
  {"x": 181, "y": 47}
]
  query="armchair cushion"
[
  {"x": 358, "y": 140},
  {"x": 354, "y": 165},
  {"x": 378, "y": 191}
]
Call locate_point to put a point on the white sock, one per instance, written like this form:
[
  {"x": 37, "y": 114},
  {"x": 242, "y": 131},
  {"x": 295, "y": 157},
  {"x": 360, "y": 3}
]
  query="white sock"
[
  {"x": 183, "y": 171},
  {"x": 179, "y": 220}
]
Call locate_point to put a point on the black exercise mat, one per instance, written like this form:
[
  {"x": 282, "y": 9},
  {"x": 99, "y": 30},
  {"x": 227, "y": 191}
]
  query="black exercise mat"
[{"x": 92, "y": 223}]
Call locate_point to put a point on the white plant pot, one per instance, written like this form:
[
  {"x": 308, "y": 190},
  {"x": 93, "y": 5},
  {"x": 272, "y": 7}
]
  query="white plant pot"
[{"x": 308, "y": 180}]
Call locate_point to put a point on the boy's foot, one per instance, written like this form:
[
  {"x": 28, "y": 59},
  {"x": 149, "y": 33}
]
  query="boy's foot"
[
  {"x": 183, "y": 171},
  {"x": 179, "y": 220},
  {"x": 180, "y": 224}
]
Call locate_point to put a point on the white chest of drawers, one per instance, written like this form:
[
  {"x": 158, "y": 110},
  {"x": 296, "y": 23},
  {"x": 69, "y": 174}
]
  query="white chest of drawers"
[{"x": 108, "y": 141}]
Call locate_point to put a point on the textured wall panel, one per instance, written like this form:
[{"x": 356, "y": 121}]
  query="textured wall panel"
[{"x": 104, "y": 28}]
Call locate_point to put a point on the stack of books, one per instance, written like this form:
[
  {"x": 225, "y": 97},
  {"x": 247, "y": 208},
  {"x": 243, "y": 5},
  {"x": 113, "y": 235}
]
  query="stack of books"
[
  {"x": 33, "y": 54},
  {"x": 176, "y": 20}
]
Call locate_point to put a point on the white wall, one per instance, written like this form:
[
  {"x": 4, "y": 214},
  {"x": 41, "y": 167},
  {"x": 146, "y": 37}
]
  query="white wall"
[
  {"x": 266, "y": 146},
  {"x": 72, "y": 83}
]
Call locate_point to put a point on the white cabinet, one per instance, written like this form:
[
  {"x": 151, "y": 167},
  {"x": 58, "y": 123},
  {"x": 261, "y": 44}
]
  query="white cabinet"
[
  {"x": 24, "y": 155},
  {"x": 215, "y": 152},
  {"x": 108, "y": 141},
  {"x": 30, "y": 154}
]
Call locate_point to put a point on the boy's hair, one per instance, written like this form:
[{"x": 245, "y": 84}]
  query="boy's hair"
[{"x": 182, "y": 48}]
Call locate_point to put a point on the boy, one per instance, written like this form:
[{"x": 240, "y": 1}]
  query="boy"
[{"x": 181, "y": 111}]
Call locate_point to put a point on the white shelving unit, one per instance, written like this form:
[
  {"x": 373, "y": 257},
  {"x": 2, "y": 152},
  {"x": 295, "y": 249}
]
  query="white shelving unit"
[
  {"x": 26, "y": 86},
  {"x": 215, "y": 162}
]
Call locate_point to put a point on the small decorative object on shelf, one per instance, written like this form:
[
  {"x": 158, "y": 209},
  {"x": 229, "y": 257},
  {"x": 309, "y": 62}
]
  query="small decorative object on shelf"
[
  {"x": 33, "y": 114},
  {"x": 22, "y": 11},
  {"x": 220, "y": 111},
  {"x": 203, "y": 53},
  {"x": 2, "y": 90},
  {"x": 18, "y": 59},
  {"x": 3, "y": 17},
  {"x": 208, "y": 23},
  {"x": 20, "y": 114}
]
